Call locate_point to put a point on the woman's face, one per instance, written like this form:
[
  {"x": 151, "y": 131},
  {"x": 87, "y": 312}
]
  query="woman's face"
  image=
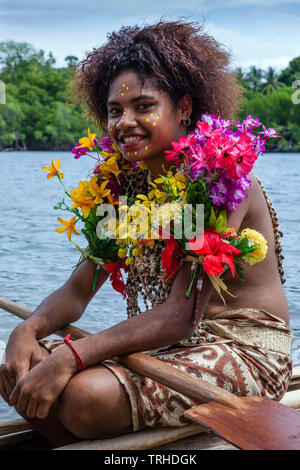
[{"x": 143, "y": 121}]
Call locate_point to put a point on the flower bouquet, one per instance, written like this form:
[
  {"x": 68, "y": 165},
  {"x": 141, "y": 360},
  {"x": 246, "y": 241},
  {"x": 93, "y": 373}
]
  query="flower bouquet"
[{"x": 210, "y": 171}]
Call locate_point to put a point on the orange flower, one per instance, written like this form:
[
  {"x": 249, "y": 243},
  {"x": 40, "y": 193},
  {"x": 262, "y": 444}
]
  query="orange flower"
[
  {"x": 98, "y": 192},
  {"x": 87, "y": 142},
  {"x": 68, "y": 225},
  {"x": 54, "y": 169},
  {"x": 83, "y": 198}
]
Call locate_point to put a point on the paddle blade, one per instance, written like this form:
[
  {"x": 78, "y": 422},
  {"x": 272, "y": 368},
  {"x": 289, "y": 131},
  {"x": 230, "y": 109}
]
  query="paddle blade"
[{"x": 258, "y": 424}]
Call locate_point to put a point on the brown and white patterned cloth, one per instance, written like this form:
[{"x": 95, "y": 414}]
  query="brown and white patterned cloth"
[{"x": 245, "y": 351}]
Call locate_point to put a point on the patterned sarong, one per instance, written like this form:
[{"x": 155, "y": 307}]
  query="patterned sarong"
[{"x": 245, "y": 351}]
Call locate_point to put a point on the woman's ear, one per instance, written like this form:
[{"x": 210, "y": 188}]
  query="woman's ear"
[{"x": 185, "y": 107}]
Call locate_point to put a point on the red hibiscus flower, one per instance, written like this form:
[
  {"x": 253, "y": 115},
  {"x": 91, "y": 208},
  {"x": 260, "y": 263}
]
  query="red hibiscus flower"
[
  {"x": 116, "y": 277},
  {"x": 214, "y": 251},
  {"x": 170, "y": 258}
]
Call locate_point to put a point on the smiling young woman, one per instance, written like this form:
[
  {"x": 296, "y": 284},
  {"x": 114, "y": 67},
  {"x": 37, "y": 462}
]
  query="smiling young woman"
[{"x": 145, "y": 88}]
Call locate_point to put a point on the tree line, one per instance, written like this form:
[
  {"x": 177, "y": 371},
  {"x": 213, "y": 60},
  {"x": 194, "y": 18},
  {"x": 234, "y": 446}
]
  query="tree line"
[{"x": 39, "y": 115}]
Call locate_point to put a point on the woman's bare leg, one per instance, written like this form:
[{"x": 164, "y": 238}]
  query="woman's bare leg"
[{"x": 94, "y": 404}]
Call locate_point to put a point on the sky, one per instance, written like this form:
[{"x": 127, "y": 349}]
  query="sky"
[{"x": 257, "y": 32}]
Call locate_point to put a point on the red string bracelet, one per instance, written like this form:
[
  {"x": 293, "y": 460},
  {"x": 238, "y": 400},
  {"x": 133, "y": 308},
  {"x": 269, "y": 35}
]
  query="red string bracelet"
[{"x": 80, "y": 365}]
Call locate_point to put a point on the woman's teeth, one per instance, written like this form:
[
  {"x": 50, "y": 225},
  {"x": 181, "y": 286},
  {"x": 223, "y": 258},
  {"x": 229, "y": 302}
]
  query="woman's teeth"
[{"x": 128, "y": 140}]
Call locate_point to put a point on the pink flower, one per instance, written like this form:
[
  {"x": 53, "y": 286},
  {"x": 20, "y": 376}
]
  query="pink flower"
[
  {"x": 205, "y": 128},
  {"x": 241, "y": 161},
  {"x": 241, "y": 164},
  {"x": 270, "y": 133},
  {"x": 78, "y": 152},
  {"x": 180, "y": 148},
  {"x": 226, "y": 150}
]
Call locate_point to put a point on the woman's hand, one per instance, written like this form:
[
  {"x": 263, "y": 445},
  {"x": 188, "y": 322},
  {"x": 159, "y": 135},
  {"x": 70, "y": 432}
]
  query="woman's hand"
[
  {"x": 22, "y": 353},
  {"x": 36, "y": 391}
]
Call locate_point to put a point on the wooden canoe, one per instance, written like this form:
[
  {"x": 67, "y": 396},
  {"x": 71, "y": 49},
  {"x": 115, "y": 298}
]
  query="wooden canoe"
[{"x": 18, "y": 434}]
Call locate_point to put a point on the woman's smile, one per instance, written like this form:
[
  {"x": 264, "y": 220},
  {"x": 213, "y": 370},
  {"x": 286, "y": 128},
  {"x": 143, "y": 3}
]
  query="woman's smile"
[{"x": 132, "y": 140}]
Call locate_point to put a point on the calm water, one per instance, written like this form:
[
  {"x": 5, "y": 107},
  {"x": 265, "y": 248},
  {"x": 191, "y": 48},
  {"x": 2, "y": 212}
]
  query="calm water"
[{"x": 35, "y": 260}]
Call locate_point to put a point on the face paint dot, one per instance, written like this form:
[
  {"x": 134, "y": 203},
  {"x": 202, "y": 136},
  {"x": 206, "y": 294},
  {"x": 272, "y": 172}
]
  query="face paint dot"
[{"x": 147, "y": 120}]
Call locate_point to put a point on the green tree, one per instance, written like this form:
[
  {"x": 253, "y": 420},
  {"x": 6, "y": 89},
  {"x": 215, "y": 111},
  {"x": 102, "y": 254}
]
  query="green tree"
[
  {"x": 291, "y": 73},
  {"x": 272, "y": 82},
  {"x": 39, "y": 114},
  {"x": 71, "y": 60},
  {"x": 254, "y": 78}
]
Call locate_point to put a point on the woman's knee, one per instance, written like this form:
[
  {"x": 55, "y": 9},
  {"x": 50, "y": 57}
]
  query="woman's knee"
[{"x": 93, "y": 404}]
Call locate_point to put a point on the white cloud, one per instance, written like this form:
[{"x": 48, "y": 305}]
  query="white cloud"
[
  {"x": 71, "y": 27},
  {"x": 251, "y": 49}
]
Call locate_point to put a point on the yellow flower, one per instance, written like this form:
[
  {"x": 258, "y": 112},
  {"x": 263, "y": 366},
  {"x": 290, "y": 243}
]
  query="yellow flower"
[
  {"x": 122, "y": 252},
  {"x": 136, "y": 251},
  {"x": 177, "y": 182},
  {"x": 261, "y": 246},
  {"x": 143, "y": 165},
  {"x": 110, "y": 166},
  {"x": 54, "y": 169},
  {"x": 98, "y": 192},
  {"x": 115, "y": 153},
  {"x": 145, "y": 202},
  {"x": 68, "y": 225},
  {"x": 83, "y": 198},
  {"x": 160, "y": 196},
  {"x": 87, "y": 142}
]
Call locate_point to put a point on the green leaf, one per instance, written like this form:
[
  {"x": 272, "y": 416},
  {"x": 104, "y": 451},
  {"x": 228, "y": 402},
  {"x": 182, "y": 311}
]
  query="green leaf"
[
  {"x": 221, "y": 221},
  {"x": 212, "y": 219},
  {"x": 240, "y": 272}
]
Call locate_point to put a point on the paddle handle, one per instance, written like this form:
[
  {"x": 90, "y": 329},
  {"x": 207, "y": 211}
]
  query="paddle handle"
[{"x": 196, "y": 389}]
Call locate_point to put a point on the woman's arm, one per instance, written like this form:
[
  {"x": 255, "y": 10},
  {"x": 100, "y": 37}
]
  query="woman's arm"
[
  {"x": 163, "y": 325},
  {"x": 63, "y": 306}
]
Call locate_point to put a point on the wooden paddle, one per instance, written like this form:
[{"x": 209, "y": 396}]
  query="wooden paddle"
[{"x": 250, "y": 423}]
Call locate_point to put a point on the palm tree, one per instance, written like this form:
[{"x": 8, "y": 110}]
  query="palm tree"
[
  {"x": 272, "y": 82},
  {"x": 254, "y": 78}
]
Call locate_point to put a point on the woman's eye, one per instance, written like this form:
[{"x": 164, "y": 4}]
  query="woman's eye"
[
  {"x": 144, "y": 106},
  {"x": 114, "y": 111}
]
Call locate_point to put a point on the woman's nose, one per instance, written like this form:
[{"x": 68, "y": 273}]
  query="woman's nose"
[{"x": 127, "y": 119}]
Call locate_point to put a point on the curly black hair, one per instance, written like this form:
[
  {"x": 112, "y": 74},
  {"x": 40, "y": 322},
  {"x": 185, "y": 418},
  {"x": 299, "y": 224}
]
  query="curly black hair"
[{"x": 178, "y": 57}]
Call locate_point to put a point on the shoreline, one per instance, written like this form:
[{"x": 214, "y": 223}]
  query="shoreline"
[{"x": 70, "y": 150}]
